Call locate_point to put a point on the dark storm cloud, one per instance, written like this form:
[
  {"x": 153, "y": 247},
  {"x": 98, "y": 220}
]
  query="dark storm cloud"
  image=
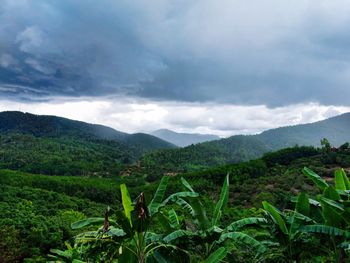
[{"x": 261, "y": 52}]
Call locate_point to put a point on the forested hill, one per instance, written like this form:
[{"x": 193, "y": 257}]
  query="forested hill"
[
  {"x": 52, "y": 126},
  {"x": 242, "y": 148},
  {"x": 207, "y": 154},
  {"x": 54, "y": 145},
  {"x": 335, "y": 129}
]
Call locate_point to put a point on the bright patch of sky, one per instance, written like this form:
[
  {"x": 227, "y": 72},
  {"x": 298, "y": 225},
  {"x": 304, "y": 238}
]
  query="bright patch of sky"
[{"x": 130, "y": 115}]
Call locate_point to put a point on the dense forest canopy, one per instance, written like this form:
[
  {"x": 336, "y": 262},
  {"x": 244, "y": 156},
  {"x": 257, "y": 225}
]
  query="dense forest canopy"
[{"x": 49, "y": 204}]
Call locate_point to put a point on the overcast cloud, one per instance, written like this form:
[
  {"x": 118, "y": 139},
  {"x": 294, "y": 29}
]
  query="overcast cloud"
[
  {"x": 130, "y": 115},
  {"x": 203, "y": 55}
]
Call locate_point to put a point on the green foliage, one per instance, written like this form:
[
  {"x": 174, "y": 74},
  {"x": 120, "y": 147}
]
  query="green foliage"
[
  {"x": 134, "y": 236},
  {"x": 38, "y": 210},
  {"x": 321, "y": 183},
  {"x": 299, "y": 228},
  {"x": 62, "y": 155},
  {"x": 326, "y": 146},
  {"x": 204, "y": 155},
  {"x": 144, "y": 244},
  {"x": 126, "y": 201},
  {"x": 286, "y": 156},
  {"x": 217, "y": 256},
  {"x": 240, "y": 148},
  {"x": 208, "y": 235},
  {"x": 38, "y": 220}
]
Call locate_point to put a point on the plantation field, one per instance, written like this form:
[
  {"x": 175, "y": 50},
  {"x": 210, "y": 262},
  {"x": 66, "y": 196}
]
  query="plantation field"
[{"x": 38, "y": 209}]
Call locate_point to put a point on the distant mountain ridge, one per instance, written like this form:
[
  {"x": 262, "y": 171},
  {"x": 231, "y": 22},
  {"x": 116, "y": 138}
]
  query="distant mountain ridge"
[
  {"x": 183, "y": 139},
  {"x": 240, "y": 148},
  {"x": 335, "y": 129}
]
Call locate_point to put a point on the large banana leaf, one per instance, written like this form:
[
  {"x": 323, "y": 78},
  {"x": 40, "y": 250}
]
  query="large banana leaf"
[
  {"x": 175, "y": 235},
  {"x": 327, "y": 230},
  {"x": 123, "y": 222},
  {"x": 330, "y": 193},
  {"x": 217, "y": 256},
  {"x": 127, "y": 203},
  {"x": 276, "y": 216},
  {"x": 200, "y": 214},
  {"x": 339, "y": 177},
  {"x": 303, "y": 206},
  {"x": 176, "y": 196},
  {"x": 87, "y": 222},
  {"x": 333, "y": 212},
  {"x": 243, "y": 238},
  {"x": 311, "y": 201},
  {"x": 222, "y": 202},
  {"x": 346, "y": 180},
  {"x": 294, "y": 215},
  {"x": 245, "y": 222},
  {"x": 158, "y": 196},
  {"x": 336, "y": 205},
  {"x": 321, "y": 183}
]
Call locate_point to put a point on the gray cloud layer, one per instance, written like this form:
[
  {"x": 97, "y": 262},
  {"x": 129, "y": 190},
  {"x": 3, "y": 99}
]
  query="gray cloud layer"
[{"x": 238, "y": 52}]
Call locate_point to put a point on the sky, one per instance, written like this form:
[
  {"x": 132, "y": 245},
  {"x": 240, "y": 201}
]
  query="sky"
[{"x": 222, "y": 67}]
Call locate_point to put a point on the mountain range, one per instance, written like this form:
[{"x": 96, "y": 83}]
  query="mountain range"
[
  {"x": 55, "y": 145},
  {"x": 240, "y": 148},
  {"x": 183, "y": 139}
]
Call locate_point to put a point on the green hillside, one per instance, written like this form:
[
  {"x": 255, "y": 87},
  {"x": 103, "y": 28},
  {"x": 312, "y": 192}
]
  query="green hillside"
[
  {"x": 203, "y": 155},
  {"x": 38, "y": 209},
  {"x": 335, "y": 129},
  {"x": 52, "y": 126},
  {"x": 53, "y": 145},
  {"x": 243, "y": 148}
]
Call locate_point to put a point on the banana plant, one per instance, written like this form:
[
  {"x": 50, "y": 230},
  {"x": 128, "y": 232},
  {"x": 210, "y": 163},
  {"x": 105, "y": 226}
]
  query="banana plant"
[
  {"x": 286, "y": 228},
  {"x": 334, "y": 203},
  {"x": 128, "y": 238},
  {"x": 210, "y": 238}
]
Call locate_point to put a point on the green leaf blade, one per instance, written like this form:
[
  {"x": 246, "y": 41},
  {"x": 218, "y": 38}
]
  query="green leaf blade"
[
  {"x": 222, "y": 201},
  {"x": 303, "y": 205},
  {"x": 276, "y": 216},
  {"x": 217, "y": 256},
  {"x": 127, "y": 203},
  {"x": 339, "y": 180},
  {"x": 158, "y": 196},
  {"x": 88, "y": 221},
  {"x": 321, "y": 183}
]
